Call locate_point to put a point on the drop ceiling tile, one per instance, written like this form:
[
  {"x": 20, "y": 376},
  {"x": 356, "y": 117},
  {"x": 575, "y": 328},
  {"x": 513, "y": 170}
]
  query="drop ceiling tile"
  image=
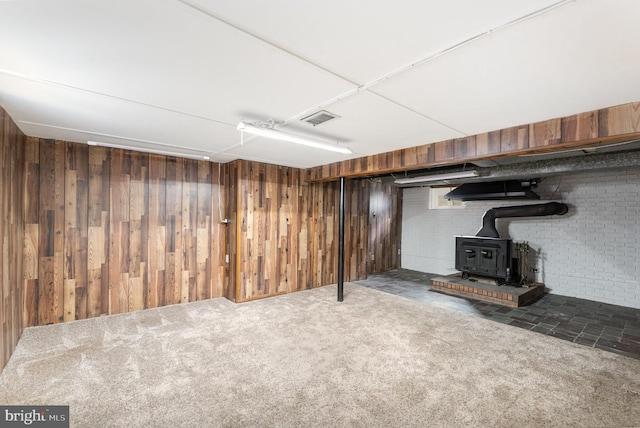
[
  {"x": 369, "y": 124},
  {"x": 363, "y": 41},
  {"x": 579, "y": 57},
  {"x": 46, "y": 111},
  {"x": 159, "y": 53}
]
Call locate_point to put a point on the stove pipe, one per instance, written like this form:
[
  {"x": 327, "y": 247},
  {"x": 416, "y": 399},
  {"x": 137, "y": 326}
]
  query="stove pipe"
[{"x": 489, "y": 219}]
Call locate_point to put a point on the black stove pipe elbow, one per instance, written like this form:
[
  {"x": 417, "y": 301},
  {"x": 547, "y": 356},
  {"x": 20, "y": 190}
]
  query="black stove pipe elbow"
[{"x": 489, "y": 219}]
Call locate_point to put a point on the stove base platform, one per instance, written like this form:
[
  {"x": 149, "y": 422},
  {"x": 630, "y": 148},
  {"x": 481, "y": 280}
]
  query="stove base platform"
[{"x": 507, "y": 295}]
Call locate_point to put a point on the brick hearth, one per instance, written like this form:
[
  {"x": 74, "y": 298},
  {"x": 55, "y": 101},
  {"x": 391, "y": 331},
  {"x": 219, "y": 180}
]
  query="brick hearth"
[{"x": 507, "y": 295}]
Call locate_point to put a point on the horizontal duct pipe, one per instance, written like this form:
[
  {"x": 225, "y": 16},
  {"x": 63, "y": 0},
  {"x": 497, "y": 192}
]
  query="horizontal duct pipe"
[
  {"x": 537, "y": 210},
  {"x": 541, "y": 168},
  {"x": 548, "y": 167}
]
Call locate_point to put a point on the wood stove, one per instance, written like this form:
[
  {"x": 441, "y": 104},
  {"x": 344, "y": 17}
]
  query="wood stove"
[{"x": 490, "y": 257}]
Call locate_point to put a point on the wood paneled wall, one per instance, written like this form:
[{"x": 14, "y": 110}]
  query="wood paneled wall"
[
  {"x": 284, "y": 231},
  {"x": 111, "y": 231},
  {"x": 604, "y": 126},
  {"x": 11, "y": 233},
  {"x": 385, "y": 227}
]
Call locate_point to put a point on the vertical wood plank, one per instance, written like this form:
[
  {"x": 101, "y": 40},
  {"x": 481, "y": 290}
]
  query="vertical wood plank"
[
  {"x": 578, "y": 127},
  {"x": 119, "y": 231},
  {"x": 76, "y": 229},
  {"x": 488, "y": 143},
  {"x": 173, "y": 243},
  {"x": 12, "y": 226},
  {"x": 138, "y": 231},
  {"x": 51, "y": 221},
  {"x": 218, "y": 236},
  {"x": 156, "y": 231},
  {"x": 98, "y": 232},
  {"x": 32, "y": 225},
  {"x": 189, "y": 231},
  {"x": 619, "y": 120},
  {"x": 444, "y": 151},
  {"x": 515, "y": 138},
  {"x": 464, "y": 147},
  {"x": 203, "y": 231},
  {"x": 385, "y": 227},
  {"x": 547, "y": 133}
]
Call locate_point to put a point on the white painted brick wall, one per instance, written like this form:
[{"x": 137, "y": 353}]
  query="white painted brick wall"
[{"x": 592, "y": 252}]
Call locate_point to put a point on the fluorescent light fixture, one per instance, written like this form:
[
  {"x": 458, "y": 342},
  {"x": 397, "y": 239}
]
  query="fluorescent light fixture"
[
  {"x": 282, "y": 136},
  {"x": 147, "y": 150},
  {"x": 437, "y": 177}
]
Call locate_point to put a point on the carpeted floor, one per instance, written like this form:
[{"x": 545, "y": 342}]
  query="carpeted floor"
[{"x": 305, "y": 360}]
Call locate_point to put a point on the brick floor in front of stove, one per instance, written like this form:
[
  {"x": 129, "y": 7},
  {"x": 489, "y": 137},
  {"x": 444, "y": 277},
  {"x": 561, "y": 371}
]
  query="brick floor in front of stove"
[{"x": 600, "y": 325}]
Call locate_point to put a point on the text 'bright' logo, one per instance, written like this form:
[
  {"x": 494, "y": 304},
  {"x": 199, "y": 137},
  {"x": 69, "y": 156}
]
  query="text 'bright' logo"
[
  {"x": 45, "y": 416},
  {"x": 27, "y": 418}
]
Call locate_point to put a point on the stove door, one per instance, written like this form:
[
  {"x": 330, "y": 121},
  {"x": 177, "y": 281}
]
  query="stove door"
[{"x": 484, "y": 256}]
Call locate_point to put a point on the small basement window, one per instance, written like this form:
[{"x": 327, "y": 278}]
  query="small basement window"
[{"x": 437, "y": 201}]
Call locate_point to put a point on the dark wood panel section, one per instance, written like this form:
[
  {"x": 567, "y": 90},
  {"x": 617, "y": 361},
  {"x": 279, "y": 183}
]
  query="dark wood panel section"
[
  {"x": 324, "y": 234},
  {"x": 514, "y": 139},
  {"x": 464, "y": 147},
  {"x": 285, "y": 232},
  {"x": 155, "y": 292},
  {"x": 303, "y": 222},
  {"x": 118, "y": 231},
  {"x": 51, "y": 237},
  {"x": 218, "y": 241},
  {"x": 385, "y": 227},
  {"x": 12, "y": 177},
  {"x": 76, "y": 245},
  {"x": 31, "y": 239},
  {"x": 622, "y": 119},
  {"x": 98, "y": 233},
  {"x": 112, "y": 231},
  {"x": 93, "y": 231},
  {"x": 579, "y": 127},
  {"x": 234, "y": 229},
  {"x": 357, "y": 220},
  {"x": 545, "y": 133},
  {"x": 588, "y": 129},
  {"x": 444, "y": 151},
  {"x": 488, "y": 143},
  {"x": 268, "y": 232}
]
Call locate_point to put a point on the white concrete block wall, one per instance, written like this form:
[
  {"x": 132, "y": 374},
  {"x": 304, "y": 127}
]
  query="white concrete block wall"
[{"x": 592, "y": 252}]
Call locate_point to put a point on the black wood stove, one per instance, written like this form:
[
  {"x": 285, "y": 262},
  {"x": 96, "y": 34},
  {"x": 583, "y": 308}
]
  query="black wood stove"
[{"x": 488, "y": 255}]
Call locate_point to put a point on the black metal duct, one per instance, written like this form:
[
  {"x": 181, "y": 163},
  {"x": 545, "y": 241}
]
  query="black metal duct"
[
  {"x": 489, "y": 219},
  {"x": 493, "y": 190}
]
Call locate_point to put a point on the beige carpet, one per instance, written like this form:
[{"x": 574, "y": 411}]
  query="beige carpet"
[{"x": 305, "y": 360}]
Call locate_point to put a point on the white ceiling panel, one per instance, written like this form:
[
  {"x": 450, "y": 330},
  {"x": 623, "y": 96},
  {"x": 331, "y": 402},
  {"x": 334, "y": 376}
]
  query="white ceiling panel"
[
  {"x": 159, "y": 53},
  {"x": 51, "y": 112},
  {"x": 581, "y": 57},
  {"x": 369, "y": 124},
  {"x": 365, "y": 40},
  {"x": 183, "y": 73}
]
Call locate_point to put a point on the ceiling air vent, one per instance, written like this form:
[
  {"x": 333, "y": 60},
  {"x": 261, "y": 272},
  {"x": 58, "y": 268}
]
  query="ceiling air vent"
[{"x": 319, "y": 117}]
